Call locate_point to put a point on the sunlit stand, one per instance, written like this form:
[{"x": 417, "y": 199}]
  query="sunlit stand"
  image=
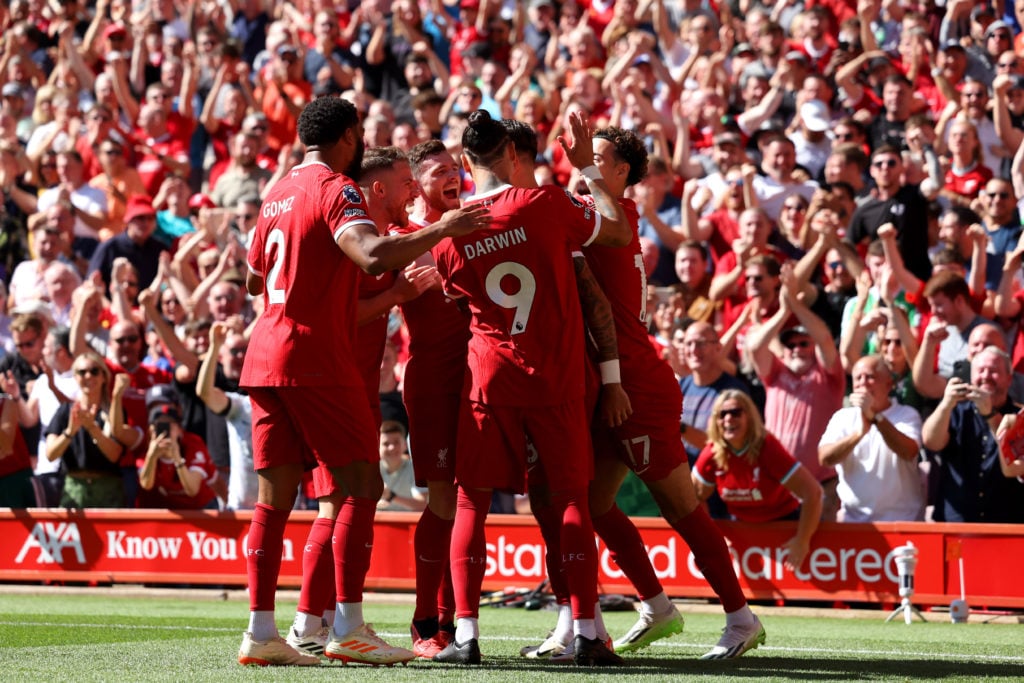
[{"x": 906, "y": 562}]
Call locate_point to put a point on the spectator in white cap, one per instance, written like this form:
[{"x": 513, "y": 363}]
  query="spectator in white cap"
[{"x": 812, "y": 144}]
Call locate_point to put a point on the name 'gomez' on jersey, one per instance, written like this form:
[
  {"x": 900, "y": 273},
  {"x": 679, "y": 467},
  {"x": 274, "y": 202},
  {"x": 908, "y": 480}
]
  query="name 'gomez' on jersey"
[
  {"x": 518, "y": 277},
  {"x": 306, "y": 334}
]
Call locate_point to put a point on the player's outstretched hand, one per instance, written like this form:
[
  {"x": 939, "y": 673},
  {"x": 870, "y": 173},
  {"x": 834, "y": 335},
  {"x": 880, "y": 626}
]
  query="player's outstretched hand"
[{"x": 465, "y": 220}]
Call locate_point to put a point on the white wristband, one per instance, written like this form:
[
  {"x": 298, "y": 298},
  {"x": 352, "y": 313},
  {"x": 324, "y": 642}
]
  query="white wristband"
[
  {"x": 591, "y": 172},
  {"x": 610, "y": 372}
]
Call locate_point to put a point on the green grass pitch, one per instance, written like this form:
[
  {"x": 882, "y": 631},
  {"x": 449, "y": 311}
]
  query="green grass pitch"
[{"x": 106, "y": 637}]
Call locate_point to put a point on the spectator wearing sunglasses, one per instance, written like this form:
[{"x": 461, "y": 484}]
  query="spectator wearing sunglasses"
[
  {"x": 903, "y": 205},
  {"x": 89, "y": 435},
  {"x": 757, "y": 478},
  {"x": 804, "y": 383}
]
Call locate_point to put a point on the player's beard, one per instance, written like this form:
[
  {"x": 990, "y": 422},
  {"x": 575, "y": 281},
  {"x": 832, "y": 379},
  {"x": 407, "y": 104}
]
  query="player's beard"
[{"x": 352, "y": 171}]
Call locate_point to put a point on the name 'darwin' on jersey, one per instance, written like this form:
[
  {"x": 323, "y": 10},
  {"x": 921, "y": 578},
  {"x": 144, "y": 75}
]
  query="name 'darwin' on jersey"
[{"x": 489, "y": 245}]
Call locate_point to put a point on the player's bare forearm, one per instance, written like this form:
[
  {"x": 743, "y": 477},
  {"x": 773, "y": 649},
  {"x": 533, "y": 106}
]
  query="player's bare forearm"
[
  {"x": 376, "y": 254},
  {"x": 597, "y": 312}
]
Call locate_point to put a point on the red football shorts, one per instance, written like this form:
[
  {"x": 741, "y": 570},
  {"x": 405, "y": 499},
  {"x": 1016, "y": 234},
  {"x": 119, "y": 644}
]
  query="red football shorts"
[
  {"x": 329, "y": 426},
  {"x": 648, "y": 442},
  {"x": 493, "y": 445},
  {"x": 433, "y": 431}
]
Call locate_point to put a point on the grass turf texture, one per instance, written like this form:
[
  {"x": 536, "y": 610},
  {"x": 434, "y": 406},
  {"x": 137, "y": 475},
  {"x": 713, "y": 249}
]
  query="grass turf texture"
[{"x": 104, "y": 638}]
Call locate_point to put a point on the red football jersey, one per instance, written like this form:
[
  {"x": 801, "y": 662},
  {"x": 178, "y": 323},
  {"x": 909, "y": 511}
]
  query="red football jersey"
[
  {"x": 167, "y": 489},
  {"x": 438, "y": 336},
  {"x": 517, "y": 275},
  {"x": 306, "y": 335},
  {"x": 753, "y": 493},
  {"x": 968, "y": 183},
  {"x": 621, "y": 275},
  {"x": 372, "y": 335}
]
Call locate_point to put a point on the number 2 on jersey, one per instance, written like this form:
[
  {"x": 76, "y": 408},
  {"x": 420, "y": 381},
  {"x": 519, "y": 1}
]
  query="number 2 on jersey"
[
  {"x": 522, "y": 300},
  {"x": 275, "y": 294}
]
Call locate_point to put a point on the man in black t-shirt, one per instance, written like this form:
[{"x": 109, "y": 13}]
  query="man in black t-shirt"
[{"x": 905, "y": 206}]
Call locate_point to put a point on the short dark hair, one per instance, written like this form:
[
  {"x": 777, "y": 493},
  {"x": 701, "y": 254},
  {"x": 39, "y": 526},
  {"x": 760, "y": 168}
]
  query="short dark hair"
[
  {"x": 62, "y": 337},
  {"x": 886, "y": 149},
  {"x": 379, "y": 159},
  {"x": 524, "y": 137},
  {"x": 424, "y": 150},
  {"x": 392, "y": 427},
  {"x": 948, "y": 284},
  {"x": 630, "y": 149},
  {"x": 198, "y": 325},
  {"x": 768, "y": 262},
  {"x": 325, "y": 120},
  {"x": 425, "y": 98},
  {"x": 897, "y": 79},
  {"x": 484, "y": 139}
]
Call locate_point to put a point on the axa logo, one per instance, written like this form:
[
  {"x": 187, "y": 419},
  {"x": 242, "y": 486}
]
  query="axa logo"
[{"x": 52, "y": 539}]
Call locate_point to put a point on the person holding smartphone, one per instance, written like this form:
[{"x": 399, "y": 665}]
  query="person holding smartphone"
[{"x": 177, "y": 472}]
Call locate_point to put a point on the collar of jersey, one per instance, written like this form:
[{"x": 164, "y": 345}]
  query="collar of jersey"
[
  {"x": 311, "y": 163},
  {"x": 489, "y": 193}
]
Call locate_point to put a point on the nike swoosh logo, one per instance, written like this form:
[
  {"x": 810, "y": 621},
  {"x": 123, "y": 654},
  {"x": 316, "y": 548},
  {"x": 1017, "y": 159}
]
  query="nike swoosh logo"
[{"x": 424, "y": 559}]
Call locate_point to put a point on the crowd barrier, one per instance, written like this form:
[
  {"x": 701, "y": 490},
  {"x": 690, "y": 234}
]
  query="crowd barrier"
[{"x": 848, "y": 562}]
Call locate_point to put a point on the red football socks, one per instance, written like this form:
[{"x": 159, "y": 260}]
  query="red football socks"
[
  {"x": 431, "y": 543},
  {"x": 578, "y": 551},
  {"x": 317, "y": 592},
  {"x": 627, "y": 550},
  {"x": 353, "y": 543},
  {"x": 712, "y": 557},
  {"x": 263, "y": 555},
  {"x": 469, "y": 551},
  {"x": 550, "y": 523}
]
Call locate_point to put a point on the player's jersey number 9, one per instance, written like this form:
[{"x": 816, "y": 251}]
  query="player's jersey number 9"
[{"x": 522, "y": 300}]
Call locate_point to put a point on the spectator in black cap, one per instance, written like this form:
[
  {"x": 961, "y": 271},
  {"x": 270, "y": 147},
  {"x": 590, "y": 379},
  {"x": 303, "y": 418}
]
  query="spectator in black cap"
[
  {"x": 982, "y": 58},
  {"x": 177, "y": 471}
]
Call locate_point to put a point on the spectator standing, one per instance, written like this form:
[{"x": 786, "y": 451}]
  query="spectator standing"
[
  {"x": 136, "y": 244},
  {"x": 961, "y": 437},
  {"x": 873, "y": 445},
  {"x": 229, "y": 349},
  {"x": 244, "y": 176},
  {"x": 55, "y": 386},
  {"x": 899, "y": 204},
  {"x": 804, "y": 384},
  {"x": 702, "y": 353},
  {"x": 89, "y": 436}
]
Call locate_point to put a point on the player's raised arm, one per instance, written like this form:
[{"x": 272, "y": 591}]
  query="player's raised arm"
[{"x": 615, "y": 230}]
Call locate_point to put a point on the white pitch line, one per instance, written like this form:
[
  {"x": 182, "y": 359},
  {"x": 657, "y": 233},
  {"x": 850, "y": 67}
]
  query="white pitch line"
[{"x": 665, "y": 644}]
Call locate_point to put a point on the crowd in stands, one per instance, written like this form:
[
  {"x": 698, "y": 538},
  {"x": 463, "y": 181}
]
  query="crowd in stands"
[{"x": 831, "y": 217}]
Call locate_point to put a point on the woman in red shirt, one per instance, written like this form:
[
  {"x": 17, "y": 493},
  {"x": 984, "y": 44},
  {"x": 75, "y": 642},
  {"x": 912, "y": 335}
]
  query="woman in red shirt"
[{"x": 756, "y": 477}]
